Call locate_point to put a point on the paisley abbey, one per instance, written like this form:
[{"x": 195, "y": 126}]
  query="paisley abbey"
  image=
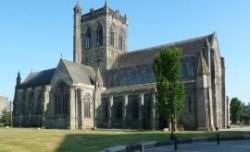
[{"x": 105, "y": 86}]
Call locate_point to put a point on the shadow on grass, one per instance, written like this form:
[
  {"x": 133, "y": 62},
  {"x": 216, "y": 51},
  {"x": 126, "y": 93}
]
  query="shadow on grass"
[
  {"x": 96, "y": 142},
  {"x": 89, "y": 142}
]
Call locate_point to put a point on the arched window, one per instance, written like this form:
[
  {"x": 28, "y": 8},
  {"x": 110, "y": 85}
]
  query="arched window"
[
  {"x": 118, "y": 108},
  {"x": 87, "y": 39},
  {"x": 23, "y": 103},
  {"x": 118, "y": 79},
  {"x": 61, "y": 99},
  {"x": 112, "y": 36},
  {"x": 132, "y": 78},
  {"x": 30, "y": 101},
  {"x": 134, "y": 105},
  {"x": 87, "y": 106},
  {"x": 189, "y": 104},
  {"x": 39, "y": 104},
  {"x": 99, "y": 36},
  {"x": 121, "y": 42},
  {"x": 190, "y": 67}
]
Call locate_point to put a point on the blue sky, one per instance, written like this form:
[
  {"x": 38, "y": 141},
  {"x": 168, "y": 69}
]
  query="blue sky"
[{"x": 34, "y": 34}]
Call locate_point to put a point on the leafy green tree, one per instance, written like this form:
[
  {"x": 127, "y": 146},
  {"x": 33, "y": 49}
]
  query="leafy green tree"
[
  {"x": 245, "y": 114},
  {"x": 235, "y": 109},
  {"x": 170, "y": 89},
  {"x": 6, "y": 117}
]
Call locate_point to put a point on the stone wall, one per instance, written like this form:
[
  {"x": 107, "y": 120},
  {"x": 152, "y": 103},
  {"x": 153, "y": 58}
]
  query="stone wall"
[
  {"x": 189, "y": 114},
  {"x": 130, "y": 110},
  {"x": 29, "y": 106}
]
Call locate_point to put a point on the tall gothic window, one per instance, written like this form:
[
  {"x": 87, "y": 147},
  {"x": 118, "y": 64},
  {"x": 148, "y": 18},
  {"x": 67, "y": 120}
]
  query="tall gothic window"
[
  {"x": 87, "y": 106},
  {"x": 189, "y": 104},
  {"x": 30, "y": 101},
  {"x": 121, "y": 41},
  {"x": 112, "y": 37},
  {"x": 87, "y": 39},
  {"x": 135, "y": 109},
  {"x": 133, "y": 106},
  {"x": 99, "y": 36},
  {"x": 25, "y": 103},
  {"x": 61, "y": 100},
  {"x": 119, "y": 110},
  {"x": 39, "y": 104}
]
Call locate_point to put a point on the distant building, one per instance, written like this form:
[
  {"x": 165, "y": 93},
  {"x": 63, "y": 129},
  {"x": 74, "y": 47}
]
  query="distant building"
[
  {"x": 108, "y": 87},
  {"x": 3, "y": 104}
]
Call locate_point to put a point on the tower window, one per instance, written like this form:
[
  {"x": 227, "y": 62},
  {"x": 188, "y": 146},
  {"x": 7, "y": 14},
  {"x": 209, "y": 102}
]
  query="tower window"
[
  {"x": 121, "y": 42},
  {"x": 112, "y": 37},
  {"x": 88, "y": 39},
  {"x": 99, "y": 36}
]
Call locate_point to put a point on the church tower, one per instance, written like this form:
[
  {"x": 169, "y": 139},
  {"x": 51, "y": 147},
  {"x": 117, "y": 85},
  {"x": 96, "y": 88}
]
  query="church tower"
[
  {"x": 103, "y": 37},
  {"x": 77, "y": 42}
]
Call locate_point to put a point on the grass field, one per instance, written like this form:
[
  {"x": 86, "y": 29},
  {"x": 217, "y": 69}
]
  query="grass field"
[{"x": 35, "y": 140}]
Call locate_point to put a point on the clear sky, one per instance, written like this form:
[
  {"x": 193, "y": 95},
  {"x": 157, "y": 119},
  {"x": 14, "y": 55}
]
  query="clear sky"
[{"x": 34, "y": 33}]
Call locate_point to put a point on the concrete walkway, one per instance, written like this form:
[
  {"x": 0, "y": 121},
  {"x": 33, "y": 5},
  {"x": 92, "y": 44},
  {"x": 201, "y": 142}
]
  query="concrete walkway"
[
  {"x": 225, "y": 146},
  {"x": 237, "y": 129}
]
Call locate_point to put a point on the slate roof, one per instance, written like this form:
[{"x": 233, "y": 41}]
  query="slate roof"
[
  {"x": 145, "y": 56},
  {"x": 38, "y": 78},
  {"x": 80, "y": 73},
  {"x": 130, "y": 88}
]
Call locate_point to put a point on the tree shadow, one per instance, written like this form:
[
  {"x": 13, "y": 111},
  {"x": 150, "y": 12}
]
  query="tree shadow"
[{"x": 98, "y": 141}]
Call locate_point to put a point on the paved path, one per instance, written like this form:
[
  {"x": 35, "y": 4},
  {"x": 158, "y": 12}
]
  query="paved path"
[
  {"x": 237, "y": 129},
  {"x": 225, "y": 146}
]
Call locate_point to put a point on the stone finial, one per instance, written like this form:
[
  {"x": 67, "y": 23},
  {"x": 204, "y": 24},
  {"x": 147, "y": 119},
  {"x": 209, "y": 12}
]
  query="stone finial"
[
  {"x": 106, "y": 4},
  {"x": 202, "y": 66},
  {"x": 126, "y": 18},
  {"x": 98, "y": 77},
  {"x": 77, "y": 7},
  {"x": 18, "y": 79}
]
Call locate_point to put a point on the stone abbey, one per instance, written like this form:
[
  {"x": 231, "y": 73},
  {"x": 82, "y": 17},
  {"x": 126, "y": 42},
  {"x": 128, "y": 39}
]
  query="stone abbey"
[{"x": 108, "y": 87}]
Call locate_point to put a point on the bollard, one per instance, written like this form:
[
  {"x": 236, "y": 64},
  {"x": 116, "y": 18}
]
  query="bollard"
[
  {"x": 175, "y": 143},
  {"x": 141, "y": 148},
  {"x": 218, "y": 138}
]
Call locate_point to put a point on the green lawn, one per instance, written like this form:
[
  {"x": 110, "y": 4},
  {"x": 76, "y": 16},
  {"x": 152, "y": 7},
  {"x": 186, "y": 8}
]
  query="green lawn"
[{"x": 34, "y": 140}]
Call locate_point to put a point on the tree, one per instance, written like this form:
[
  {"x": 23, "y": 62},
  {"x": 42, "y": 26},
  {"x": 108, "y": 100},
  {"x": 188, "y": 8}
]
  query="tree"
[
  {"x": 245, "y": 114},
  {"x": 170, "y": 89},
  {"x": 6, "y": 117},
  {"x": 235, "y": 109}
]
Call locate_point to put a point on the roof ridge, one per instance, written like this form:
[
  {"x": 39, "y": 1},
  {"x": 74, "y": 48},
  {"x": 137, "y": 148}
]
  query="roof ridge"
[
  {"x": 170, "y": 44},
  {"x": 83, "y": 65},
  {"x": 37, "y": 72},
  {"x": 69, "y": 65}
]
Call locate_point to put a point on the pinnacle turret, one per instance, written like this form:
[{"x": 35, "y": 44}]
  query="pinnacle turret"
[
  {"x": 77, "y": 7},
  {"x": 98, "y": 77},
  {"x": 18, "y": 79},
  {"x": 202, "y": 66}
]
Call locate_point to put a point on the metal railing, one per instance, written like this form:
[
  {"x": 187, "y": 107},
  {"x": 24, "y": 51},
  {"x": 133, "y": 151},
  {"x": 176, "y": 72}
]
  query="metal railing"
[{"x": 175, "y": 142}]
